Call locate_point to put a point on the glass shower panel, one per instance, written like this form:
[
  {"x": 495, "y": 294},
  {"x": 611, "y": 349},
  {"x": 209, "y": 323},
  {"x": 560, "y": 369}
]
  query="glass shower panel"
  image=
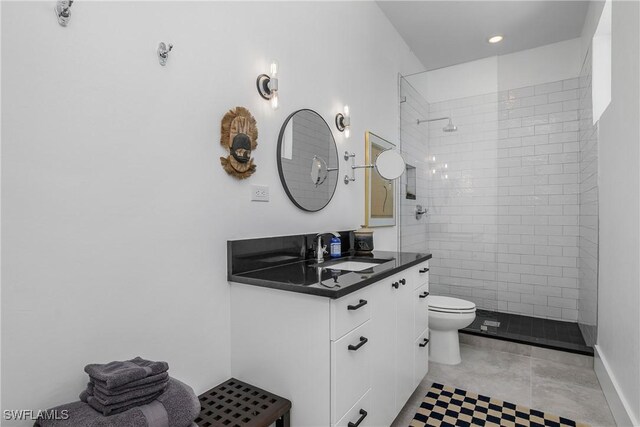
[
  {"x": 412, "y": 230},
  {"x": 457, "y": 185},
  {"x": 547, "y": 243},
  {"x": 510, "y": 198}
]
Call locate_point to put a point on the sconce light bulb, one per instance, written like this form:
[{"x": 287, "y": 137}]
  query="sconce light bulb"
[
  {"x": 433, "y": 171},
  {"x": 446, "y": 166},
  {"x": 274, "y": 69},
  {"x": 446, "y": 176},
  {"x": 346, "y": 111},
  {"x": 433, "y": 158},
  {"x": 274, "y": 101},
  {"x": 347, "y": 132}
]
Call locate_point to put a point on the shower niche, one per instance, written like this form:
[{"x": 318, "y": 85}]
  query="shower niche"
[{"x": 410, "y": 182}]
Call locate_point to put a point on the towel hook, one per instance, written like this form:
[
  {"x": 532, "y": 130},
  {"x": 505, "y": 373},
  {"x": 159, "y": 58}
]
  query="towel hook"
[
  {"x": 63, "y": 11},
  {"x": 163, "y": 53}
]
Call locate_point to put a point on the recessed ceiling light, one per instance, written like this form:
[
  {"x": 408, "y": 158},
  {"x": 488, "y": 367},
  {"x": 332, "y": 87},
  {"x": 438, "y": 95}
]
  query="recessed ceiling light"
[{"x": 495, "y": 39}]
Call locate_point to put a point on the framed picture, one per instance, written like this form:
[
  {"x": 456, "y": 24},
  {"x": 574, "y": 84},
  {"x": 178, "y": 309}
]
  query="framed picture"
[{"x": 379, "y": 192}]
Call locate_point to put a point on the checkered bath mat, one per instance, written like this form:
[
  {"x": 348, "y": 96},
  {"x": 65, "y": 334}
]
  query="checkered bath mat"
[{"x": 448, "y": 407}]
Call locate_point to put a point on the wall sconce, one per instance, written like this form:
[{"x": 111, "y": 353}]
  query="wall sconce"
[
  {"x": 63, "y": 11},
  {"x": 343, "y": 122},
  {"x": 268, "y": 85}
]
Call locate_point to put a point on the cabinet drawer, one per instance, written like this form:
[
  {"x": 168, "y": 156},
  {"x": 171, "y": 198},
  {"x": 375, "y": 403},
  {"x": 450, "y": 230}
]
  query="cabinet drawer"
[
  {"x": 421, "y": 357},
  {"x": 421, "y": 274},
  {"x": 350, "y": 312},
  {"x": 421, "y": 310},
  {"x": 350, "y": 369},
  {"x": 359, "y": 414}
]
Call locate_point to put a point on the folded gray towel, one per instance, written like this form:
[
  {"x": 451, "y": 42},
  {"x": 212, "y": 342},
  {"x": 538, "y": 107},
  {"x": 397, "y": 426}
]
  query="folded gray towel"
[
  {"x": 106, "y": 399},
  {"x": 135, "y": 393},
  {"x": 178, "y": 406},
  {"x": 119, "y": 373},
  {"x": 133, "y": 385},
  {"x": 116, "y": 408}
]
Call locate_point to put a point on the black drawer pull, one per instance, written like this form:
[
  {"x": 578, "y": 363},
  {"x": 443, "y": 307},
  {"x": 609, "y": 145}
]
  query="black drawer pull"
[
  {"x": 424, "y": 342},
  {"x": 362, "y": 303},
  {"x": 362, "y": 342},
  {"x": 424, "y": 270},
  {"x": 403, "y": 281},
  {"x": 395, "y": 285},
  {"x": 424, "y": 294},
  {"x": 363, "y": 414}
]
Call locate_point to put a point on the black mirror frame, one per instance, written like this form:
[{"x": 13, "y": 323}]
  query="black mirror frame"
[{"x": 279, "y": 160}]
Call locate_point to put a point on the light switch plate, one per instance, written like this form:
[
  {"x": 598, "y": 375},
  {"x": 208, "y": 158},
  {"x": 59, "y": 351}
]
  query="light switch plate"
[{"x": 259, "y": 193}]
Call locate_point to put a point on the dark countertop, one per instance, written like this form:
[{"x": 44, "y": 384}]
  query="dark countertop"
[{"x": 308, "y": 277}]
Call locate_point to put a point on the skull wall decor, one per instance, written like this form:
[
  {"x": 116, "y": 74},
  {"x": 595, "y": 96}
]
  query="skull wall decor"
[{"x": 239, "y": 135}]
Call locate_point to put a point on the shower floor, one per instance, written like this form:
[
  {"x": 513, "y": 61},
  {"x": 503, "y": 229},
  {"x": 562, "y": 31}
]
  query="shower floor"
[{"x": 554, "y": 334}]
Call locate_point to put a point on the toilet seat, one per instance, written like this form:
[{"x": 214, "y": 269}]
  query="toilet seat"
[{"x": 443, "y": 304}]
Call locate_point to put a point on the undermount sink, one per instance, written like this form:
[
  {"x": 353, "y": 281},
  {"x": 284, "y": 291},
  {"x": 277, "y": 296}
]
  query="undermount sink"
[{"x": 351, "y": 265}]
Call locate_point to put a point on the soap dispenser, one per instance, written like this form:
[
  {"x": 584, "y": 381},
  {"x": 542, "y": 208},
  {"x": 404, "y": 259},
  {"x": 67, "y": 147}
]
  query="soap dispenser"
[{"x": 335, "y": 247}]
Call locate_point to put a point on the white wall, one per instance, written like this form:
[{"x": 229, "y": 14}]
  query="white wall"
[
  {"x": 116, "y": 210},
  {"x": 590, "y": 23},
  {"x": 458, "y": 81},
  {"x": 549, "y": 63},
  {"x": 619, "y": 206}
]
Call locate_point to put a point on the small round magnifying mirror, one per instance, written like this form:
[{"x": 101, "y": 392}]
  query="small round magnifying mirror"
[
  {"x": 319, "y": 170},
  {"x": 390, "y": 164}
]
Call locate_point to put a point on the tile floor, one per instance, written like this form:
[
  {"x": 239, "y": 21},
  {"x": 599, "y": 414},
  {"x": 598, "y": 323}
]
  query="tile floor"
[{"x": 568, "y": 390}]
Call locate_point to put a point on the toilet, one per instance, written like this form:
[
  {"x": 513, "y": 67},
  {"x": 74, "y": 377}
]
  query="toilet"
[{"x": 446, "y": 316}]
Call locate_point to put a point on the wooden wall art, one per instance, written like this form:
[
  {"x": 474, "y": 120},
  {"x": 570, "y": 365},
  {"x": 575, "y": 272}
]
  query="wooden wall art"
[{"x": 239, "y": 135}]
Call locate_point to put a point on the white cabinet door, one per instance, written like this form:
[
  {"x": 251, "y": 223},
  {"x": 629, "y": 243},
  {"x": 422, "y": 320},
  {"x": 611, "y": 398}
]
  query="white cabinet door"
[
  {"x": 359, "y": 414},
  {"x": 404, "y": 345},
  {"x": 350, "y": 311},
  {"x": 420, "y": 310},
  {"x": 420, "y": 274},
  {"x": 383, "y": 349},
  {"x": 421, "y": 358},
  {"x": 350, "y": 369}
]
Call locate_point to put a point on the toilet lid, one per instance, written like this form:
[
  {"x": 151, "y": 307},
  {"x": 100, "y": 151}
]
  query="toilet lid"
[{"x": 450, "y": 304}]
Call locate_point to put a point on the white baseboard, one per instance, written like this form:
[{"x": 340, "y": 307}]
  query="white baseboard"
[{"x": 616, "y": 400}]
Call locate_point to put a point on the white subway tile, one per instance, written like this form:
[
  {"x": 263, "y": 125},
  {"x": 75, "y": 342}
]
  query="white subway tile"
[
  {"x": 563, "y": 96},
  {"x": 549, "y": 87},
  {"x": 571, "y": 83},
  {"x": 555, "y": 107},
  {"x": 562, "y": 302}
]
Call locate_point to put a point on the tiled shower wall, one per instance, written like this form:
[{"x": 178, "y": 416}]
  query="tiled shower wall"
[
  {"x": 588, "y": 220},
  {"x": 504, "y": 203},
  {"x": 413, "y": 232}
]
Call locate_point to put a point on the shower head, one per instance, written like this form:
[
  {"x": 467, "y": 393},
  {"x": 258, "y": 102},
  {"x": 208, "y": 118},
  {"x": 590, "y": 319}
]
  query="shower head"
[{"x": 450, "y": 127}]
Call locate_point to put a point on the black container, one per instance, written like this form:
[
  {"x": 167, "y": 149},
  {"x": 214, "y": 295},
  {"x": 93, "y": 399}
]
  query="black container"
[{"x": 363, "y": 241}]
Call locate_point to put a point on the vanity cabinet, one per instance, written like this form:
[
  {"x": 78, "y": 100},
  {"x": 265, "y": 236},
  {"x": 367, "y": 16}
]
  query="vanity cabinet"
[
  {"x": 339, "y": 361},
  {"x": 401, "y": 326}
]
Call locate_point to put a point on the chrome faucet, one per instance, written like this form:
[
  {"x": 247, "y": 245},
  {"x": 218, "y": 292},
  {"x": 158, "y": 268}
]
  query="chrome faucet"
[{"x": 320, "y": 249}]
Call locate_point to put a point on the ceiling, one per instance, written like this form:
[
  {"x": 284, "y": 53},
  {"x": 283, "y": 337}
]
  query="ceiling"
[{"x": 444, "y": 33}]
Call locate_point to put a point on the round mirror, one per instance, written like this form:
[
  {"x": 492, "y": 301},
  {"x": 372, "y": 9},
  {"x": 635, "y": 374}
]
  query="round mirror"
[
  {"x": 390, "y": 164},
  {"x": 307, "y": 160}
]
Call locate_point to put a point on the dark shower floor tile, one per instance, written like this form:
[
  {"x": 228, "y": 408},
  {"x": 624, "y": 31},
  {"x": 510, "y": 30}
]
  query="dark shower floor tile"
[{"x": 554, "y": 334}]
